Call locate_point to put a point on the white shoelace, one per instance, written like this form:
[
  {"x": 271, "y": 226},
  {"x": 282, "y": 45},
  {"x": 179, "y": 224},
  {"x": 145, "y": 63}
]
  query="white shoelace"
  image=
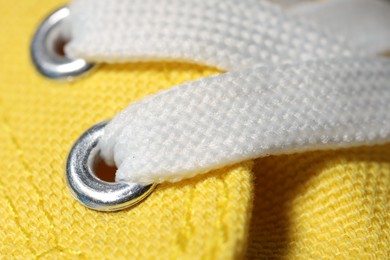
[{"x": 291, "y": 86}]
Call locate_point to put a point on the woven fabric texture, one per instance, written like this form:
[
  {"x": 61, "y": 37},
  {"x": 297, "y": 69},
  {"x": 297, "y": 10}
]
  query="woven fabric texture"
[
  {"x": 323, "y": 204},
  {"x": 41, "y": 119}
]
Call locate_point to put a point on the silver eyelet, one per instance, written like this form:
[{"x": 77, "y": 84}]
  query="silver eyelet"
[
  {"x": 45, "y": 56},
  {"x": 87, "y": 188}
]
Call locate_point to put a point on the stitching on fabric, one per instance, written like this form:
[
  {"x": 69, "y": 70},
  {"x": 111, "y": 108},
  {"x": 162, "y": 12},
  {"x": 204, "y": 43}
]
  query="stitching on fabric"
[
  {"x": 222, "y": 214},
  {"x": 219, "y": 221},
  {"x": 376, "y": 222},
  {"x": 60, "y": 249},
  {"x": 182, "y": 237},
  {"x": 15, "y": 216},
  {"x": 19, "y": 151},
  {"x": 15, "y": 213},
  {"x": 28, "y": 170}
]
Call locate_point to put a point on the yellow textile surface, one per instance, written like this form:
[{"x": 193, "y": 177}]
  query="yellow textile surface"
[{"x": 322, "y": 204}]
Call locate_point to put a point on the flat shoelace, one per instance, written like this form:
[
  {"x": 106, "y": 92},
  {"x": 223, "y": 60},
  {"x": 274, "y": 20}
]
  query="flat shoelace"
[{"x": 290, "y": 86}]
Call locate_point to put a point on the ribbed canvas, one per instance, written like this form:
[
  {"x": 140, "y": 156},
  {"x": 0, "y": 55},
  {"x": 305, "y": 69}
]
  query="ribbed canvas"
[{"x": 311, "y": 205}]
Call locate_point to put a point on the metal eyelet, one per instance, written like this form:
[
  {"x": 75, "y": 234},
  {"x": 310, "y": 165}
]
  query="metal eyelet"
[
  {"x": 44, "y": 49},
  {"x": 87, "y": 188}
]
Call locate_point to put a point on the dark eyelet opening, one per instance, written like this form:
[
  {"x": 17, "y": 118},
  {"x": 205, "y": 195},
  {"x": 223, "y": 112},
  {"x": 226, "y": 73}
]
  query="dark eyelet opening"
[{"x": 47, "y": 49}]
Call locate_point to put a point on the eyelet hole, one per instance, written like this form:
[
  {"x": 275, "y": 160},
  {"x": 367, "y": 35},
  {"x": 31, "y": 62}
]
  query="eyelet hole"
[
  {"x": 56, "y": 40},
  {"x": 59, "y": 45},
  {"x": 47, "y": 49},
  {"x": 104, "y": 171},
  {"x": 81, "y": 168}
]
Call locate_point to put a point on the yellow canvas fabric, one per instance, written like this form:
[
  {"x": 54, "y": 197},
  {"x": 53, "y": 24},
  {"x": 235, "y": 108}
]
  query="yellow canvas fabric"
[{"x": 332, "y": 204}]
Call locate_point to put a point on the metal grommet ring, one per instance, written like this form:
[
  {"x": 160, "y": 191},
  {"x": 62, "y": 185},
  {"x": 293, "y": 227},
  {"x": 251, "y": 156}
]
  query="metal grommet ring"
[
  {"x": 87, "y": 188},
  {"x": 45, "y": 52}
]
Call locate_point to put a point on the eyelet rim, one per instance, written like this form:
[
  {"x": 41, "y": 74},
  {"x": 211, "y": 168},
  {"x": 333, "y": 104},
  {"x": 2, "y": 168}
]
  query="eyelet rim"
[
  {"x": 92, "y": 192},
  {"x": 46, "y": 62}
]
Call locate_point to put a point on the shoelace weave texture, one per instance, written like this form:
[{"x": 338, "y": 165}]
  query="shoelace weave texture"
[{"x": 290, "y": 86}]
